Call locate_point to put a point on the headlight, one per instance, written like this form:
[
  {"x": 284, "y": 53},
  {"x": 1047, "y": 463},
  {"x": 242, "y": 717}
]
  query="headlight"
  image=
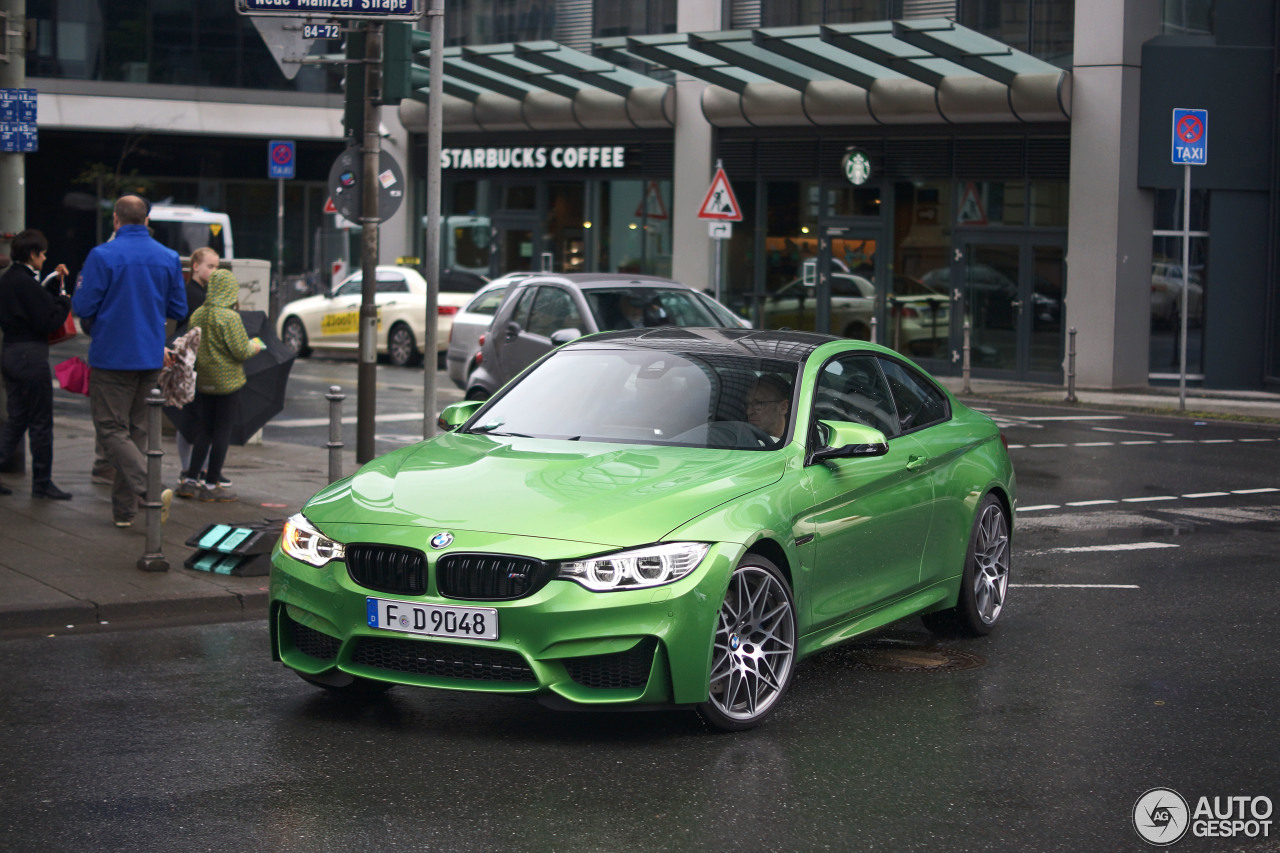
[
  {"x": 303, "y": 542},
  {"x": 652, "y": 566}
]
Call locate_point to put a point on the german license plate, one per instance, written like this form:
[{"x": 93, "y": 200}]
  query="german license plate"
[{"x": 433, "y": 620}]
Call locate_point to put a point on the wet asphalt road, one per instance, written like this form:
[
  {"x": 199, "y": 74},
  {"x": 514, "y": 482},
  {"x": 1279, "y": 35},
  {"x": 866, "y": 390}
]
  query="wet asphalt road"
[{"x": 1137, "y": 651}]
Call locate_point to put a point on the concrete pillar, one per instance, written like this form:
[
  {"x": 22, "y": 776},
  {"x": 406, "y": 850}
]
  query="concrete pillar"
[
  {"x": 13, "y": 75},
  {"x": 1109, "y": 242},
  {"x": 691, "y": 245}
]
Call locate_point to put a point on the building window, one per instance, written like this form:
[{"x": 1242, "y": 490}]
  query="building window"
[
  {"x": 788, "y": 13},
  {"x": 1169, "y": 281},
  {"x": 1043, "y": 28},
  {"x": 638, "y": 18},
  {"x": 1182, "y": 17}
]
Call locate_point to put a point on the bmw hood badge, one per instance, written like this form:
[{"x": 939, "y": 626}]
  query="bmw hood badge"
[{"x": 443, "y": 539}]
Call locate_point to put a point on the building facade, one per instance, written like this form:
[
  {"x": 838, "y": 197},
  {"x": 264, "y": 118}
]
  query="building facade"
[{"x": 904, "y": 169}]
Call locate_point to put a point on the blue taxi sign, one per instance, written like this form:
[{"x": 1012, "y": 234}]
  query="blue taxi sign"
[
  {"x": 281, "y": 162},
  {"x": 1190, "y": 137}
]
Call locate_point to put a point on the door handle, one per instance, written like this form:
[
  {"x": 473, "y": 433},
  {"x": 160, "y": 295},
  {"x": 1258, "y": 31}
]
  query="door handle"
[{"x": 915, "y": 463}]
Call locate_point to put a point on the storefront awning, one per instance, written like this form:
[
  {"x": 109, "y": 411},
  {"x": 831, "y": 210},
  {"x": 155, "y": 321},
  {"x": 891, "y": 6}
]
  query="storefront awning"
[{"x": 887, "y": 72}]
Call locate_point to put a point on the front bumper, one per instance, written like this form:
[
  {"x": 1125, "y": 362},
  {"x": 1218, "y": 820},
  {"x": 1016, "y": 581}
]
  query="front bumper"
[{"x": 639, "y": 647}]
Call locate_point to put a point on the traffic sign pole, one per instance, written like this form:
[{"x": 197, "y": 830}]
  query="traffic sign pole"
[{"x": 1190, "y": 148}]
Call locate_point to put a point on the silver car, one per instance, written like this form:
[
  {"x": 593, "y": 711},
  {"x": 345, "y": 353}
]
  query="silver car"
[
  {"x": 470, "y": 324},
  {"x": 541, "y": 311}
]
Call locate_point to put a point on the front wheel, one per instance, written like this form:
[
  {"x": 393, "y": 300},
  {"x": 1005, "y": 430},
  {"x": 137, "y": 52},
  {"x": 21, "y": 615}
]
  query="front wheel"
[
  {"x": 985, "y": 580},
  {"x": 753, "y": 652}
]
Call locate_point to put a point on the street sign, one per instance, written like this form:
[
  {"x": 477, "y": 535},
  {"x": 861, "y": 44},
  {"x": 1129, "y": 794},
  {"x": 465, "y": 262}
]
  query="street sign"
[
  {"x": 346, "y": 182},
  {"x": 18, "y": 134},
  {"x": 720, "y": 230},
  {"x": 368, "y": 10},
  {"x": 281, "y": 161},
  {"x": 321, "y": 31},
  {"x": 720, "y": 202},
  {"x": 1190, "y": 137}
]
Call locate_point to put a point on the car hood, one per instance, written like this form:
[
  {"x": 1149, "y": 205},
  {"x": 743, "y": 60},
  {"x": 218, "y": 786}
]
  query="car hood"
[{"x": 606, "y": 494}]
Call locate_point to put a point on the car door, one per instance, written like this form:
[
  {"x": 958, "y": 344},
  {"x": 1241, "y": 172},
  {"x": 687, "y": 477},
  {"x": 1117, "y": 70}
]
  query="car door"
[
  {"x": 339, "y": 322},
  {"x": 540, "y": 312},
  {"x": 871, "y": 515}
]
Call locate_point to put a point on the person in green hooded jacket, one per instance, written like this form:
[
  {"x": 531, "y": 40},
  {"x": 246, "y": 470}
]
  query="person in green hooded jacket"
[{"x": 224, "y": 347}]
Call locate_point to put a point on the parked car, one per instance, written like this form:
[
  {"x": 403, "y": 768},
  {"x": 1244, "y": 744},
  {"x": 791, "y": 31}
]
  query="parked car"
[
  {"x": 654, "y": 517},
  {"x": 333, "y": 321},
  {"x": 470, "y": 324},
  {"x": 917, "y": 321},
  {"x": 543, "y": 311}
]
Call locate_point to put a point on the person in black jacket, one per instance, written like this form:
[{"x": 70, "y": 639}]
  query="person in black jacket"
[{"x": 28, "y": 313}]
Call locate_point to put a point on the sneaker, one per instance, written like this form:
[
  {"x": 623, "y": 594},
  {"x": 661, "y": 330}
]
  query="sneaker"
[
  {"x": 166, "y": 500},
  {"x": 222, "y": 481},
  {"x": 187, "y": 488},
  {"x": 124, "y": 522},
  {"x": 216, "y": 493}
]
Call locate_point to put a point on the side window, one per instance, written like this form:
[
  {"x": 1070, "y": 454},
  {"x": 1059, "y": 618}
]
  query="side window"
[
  {"x": 920, "y": 403},
  {"x": 350, "y": 288},
  {"x": 392, "y": 284},
  {"x": 553, "y": 310},
  {"x": 520, "y": 314},
  {"x": 852, "y": 388}
]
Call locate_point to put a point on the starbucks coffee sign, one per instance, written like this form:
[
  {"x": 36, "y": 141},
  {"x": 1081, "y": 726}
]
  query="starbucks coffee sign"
[
  {"x": 856, "y": 166},
  {"x": 536, "y": 157}
]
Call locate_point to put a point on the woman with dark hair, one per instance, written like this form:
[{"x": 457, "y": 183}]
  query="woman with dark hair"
[{"x": 28, "y": 313}]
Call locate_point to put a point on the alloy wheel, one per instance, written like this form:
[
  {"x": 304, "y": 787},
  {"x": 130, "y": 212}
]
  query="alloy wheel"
[
  {"x": 991, "y": 564},
  {"x": 755, "y": 645}
]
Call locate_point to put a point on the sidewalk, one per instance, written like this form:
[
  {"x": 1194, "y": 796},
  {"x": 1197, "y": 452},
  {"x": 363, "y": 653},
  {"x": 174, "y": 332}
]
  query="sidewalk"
[{"x": 65, "y": 569}]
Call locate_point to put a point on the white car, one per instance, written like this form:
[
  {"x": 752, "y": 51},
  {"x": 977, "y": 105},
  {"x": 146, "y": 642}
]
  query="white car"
[{"x": 333, "y": 322}]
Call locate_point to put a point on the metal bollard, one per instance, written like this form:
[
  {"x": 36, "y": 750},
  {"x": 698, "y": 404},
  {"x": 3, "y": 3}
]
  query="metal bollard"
[
  {"x": 1071, "y": 365},
  {"x": 875, "y": 330},
  {"x": 335, "y": 398},
  {"x": 153, "y": 560},
  {"x": 968, "y": 329}
]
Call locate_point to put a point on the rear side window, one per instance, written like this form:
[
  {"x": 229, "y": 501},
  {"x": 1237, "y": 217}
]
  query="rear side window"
[
  {"x": 920, "y": 403},
  {"x": 392, "y": 284},
  {"x": 486, "y": 303}
]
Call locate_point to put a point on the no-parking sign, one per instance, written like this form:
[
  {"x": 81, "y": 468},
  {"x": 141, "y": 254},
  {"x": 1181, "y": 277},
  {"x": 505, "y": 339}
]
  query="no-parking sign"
[
  {"x": 1190, "y": 137},
  {"x": 280, "y": 158}
]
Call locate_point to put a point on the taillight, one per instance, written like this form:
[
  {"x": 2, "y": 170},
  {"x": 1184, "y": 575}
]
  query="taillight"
[
  {"x": 1004, "y": 440},
  {"x": 480, "y": 351},
  {"x": 446, "y": 310}
]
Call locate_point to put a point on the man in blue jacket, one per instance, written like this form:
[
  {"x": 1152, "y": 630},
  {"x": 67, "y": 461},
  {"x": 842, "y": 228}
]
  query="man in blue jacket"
[{"x": 128, "y": 287}]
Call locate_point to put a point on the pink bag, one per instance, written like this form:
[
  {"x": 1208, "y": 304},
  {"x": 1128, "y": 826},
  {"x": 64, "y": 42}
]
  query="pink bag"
[{"x": 73, "y": 375}]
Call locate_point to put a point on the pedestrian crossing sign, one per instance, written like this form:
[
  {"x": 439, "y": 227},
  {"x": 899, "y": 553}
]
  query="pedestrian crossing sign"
[{"x": 720, "y": 202}]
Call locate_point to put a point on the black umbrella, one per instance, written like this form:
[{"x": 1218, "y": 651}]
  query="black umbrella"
[{"x": 267, "y": 377}]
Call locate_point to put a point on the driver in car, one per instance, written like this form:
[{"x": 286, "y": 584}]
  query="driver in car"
[{"x": 768, "y": 404}]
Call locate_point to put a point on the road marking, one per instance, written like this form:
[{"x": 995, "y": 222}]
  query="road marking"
[
  {"x": 1037, "y": 418},
  {"x": 1096, "y": 444},
  {"x": 1148, "y": 499},
  {"x": 1131, "y": 443},
  {"x": 1089, "y": 549},
  {"x": 1142, "y": 442},
  {"x": 1075, "y": 585},
  {"x": 1134, "y": 432},
  {"x": 1217, "y": 441},
  {"x": 1048, "y": 445}
]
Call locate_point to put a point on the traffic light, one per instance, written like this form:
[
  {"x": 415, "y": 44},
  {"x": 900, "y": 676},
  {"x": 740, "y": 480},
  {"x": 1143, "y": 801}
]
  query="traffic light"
[
  {"x": 400, "y": 75},
  {"x": 353, "y": 85}
]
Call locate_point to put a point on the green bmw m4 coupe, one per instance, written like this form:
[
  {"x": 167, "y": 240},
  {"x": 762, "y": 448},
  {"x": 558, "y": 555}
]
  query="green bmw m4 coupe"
[{"x": 654, "y": 518}]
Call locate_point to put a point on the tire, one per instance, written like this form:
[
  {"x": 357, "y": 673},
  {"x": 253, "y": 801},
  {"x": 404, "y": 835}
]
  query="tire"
[
  {"x": 753, "y": 650},
  {"x": 402, "y": 346},
  {"x": 294, "y": 335},
  {"x": 985, "y": 580},
  {"x": 354, "y": 686}
]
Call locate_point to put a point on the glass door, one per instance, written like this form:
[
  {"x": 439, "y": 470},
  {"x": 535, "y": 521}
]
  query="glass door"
[
  {"x": 1012, "y": 287},
  {"x": 516, "y": 244}
]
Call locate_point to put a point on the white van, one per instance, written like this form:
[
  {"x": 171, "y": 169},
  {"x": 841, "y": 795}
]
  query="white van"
[{"x": 185, "y": 229}]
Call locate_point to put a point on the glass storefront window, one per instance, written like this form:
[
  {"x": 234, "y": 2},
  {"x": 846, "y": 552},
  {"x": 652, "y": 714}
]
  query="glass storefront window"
[
  {"x": 519, "y": 197},
  {"x": 1048, "y": 204},
  {"x": 632, "y": 228},
  {"x": 1167, "y": 282},
  {"x": 1168, "y": 205},
  {"x": 565, "y": 235},
  {"x": 922, "y": 232},
  {"x": 854, "y": 201},
  {"x": 992, "y": 203}
]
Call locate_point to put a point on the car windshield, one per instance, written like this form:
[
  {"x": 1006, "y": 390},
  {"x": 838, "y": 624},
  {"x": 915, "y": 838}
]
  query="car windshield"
[
  {"x": 643, "y": 396},
  {"x": 620, "y": 308}
]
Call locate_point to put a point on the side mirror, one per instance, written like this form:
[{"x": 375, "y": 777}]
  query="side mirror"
[
  {"x": 457, "y": 414},
  {"x": 846, "y": 440},
  {"x": 564, "y": 336}
]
